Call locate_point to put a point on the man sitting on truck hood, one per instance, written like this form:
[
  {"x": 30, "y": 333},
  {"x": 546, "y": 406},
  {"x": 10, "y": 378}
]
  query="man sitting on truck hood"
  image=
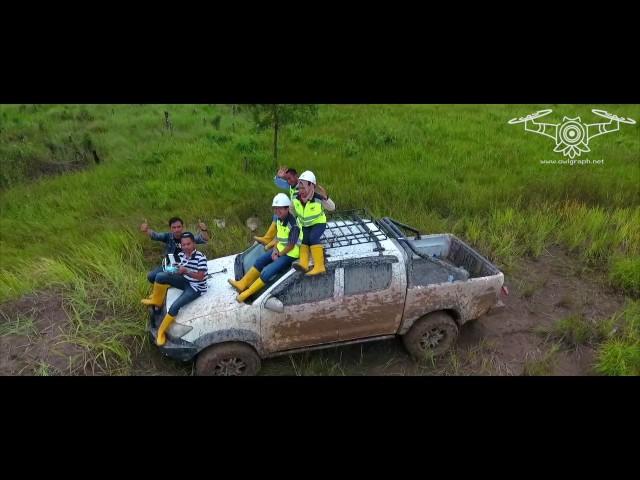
[
  {"x": 191, "y": 278},
  {"x": 285, "y": 179},
  {"x": 287, "y": 249},
  {"x": 172, "y": 240}
]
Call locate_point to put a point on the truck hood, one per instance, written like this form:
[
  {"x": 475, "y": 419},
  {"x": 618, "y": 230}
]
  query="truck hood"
[{"x": 220, "y": 296}]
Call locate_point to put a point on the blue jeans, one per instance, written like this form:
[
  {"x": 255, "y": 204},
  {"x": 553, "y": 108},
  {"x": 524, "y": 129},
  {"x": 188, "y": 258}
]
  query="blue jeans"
[
  {"x": 151, "y": 276},
  {"x": 311, "y": 235},
  {"x": 178, "y": 281},
  {"x": 269, "y": 269}
]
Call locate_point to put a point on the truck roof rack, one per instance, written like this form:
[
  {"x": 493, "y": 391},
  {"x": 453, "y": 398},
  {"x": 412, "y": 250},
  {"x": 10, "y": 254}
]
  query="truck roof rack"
[
  {"x": 350, "y": 227},
  {"x": 393, "y": 228}
]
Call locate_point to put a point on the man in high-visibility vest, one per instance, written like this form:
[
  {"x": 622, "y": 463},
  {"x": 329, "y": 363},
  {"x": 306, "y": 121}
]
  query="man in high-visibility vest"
[
  {"x": 270, "y": 264},
  {"x": 286, "y": 179},
  {"x": 309, "y": 204}
]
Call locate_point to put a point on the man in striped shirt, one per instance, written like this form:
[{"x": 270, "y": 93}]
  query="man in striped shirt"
[
  {"x": 172, "y": 239},
  {"x": 191, "y": 278}
]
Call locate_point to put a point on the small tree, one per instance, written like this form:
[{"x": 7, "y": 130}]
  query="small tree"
[
  {"x": 235, "y": 108},
  {"x": 278, "y": 115}
]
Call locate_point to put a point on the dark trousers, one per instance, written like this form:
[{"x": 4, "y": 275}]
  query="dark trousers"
[
  {"x": 151, "y": 276},
  {"x": 269, "y": 269},
  {"x": 178, "y": 281},
  {"x": 311, "y": 235}
]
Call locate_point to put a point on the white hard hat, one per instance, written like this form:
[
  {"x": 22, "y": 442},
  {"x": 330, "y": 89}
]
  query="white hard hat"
[
  {"x": 308, "y": 176},
  {"x": 281, "y": 200}
]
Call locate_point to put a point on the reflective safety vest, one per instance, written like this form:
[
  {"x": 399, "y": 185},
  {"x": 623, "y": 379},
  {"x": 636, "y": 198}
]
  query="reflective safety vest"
[
  {"x": 293, "y": 191},
  {"x": 310, "y": 214},
  {"x": 282, "y": 235}
]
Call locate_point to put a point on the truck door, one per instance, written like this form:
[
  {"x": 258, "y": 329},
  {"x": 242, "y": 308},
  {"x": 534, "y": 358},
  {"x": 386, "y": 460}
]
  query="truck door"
[
  {"x": 374, "y": 291},
  {"x": 308, "y": 317}
]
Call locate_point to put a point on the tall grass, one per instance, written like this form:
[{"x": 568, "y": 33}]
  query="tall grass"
[
  {"x": 576, "y": 330},
  {"x": 541, "y": 364},
  {"x": 21, "y": 324},
  {"x": 625, "y": 273},
  {"x": 441, "y": 167},
  {"x": 620, "y": 353},
  {"x": 616, "y": 339},
  {"x": 103, "y": 300},
  {"x": 101, "y": 284}
]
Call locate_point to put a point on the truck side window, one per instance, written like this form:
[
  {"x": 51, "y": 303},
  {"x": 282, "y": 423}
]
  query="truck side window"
[
  {"x": 308, "y": 289},
  {"x": 367, "y": 278}
]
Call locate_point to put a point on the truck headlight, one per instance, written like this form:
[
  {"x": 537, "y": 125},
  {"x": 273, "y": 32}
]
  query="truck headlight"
[{"x": 177, "y": 330}]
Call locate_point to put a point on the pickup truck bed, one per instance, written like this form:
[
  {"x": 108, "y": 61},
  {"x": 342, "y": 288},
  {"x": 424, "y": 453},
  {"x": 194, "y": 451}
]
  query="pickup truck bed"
[{"x": 444, "y": 274}]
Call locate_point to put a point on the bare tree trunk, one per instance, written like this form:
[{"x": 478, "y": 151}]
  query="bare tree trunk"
[
  {"x": 275, "y": 138},
  {"x": 167, "y": 122},
  {"x": 233, "y": 116}
]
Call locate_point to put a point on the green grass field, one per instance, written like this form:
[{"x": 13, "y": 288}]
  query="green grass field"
[{"x": 442, "y": 168}]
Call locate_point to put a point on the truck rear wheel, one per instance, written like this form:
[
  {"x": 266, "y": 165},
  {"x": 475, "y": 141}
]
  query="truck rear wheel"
[
  {"x": 228, "y": 359},
  {"x": 431, "y": 335}
]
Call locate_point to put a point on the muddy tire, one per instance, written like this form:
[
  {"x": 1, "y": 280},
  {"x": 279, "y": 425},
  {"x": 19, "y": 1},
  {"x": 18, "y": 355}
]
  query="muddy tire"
[
  {"x": 228, "y": 359},
  {"x": 430, "y": 336}
]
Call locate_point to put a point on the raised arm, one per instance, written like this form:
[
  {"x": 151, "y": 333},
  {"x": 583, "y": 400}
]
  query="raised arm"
[
  {"x": 203, "y": 236},
  {"x": 279, "y": 180},
  {"x": 327, "y": 203},
  {"x": 144, "y": 228}
]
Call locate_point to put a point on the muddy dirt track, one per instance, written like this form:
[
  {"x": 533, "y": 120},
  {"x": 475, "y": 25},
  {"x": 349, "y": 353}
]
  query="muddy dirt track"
[{"x": 508, "y": 342}]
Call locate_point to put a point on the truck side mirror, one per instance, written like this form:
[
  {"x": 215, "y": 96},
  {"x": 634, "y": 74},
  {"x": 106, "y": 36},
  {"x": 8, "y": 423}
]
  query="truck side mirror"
[{"x": 274, "y": 305}]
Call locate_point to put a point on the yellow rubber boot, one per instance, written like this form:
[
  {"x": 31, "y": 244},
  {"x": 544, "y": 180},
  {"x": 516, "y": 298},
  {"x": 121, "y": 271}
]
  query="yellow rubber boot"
[
  {"x": 161, "y": 339},
  {"x": 302, "y": 264},
  {"x": 271, "y": 244},
  {"x": 150, "y": 297},
  {"x": 255, "y": 287},
  {"x": 270, "y": 235},
  {"x": 242, "y": 284},
  {"x": 157, "y": 296},
  {"x": 317, "y": 252}
]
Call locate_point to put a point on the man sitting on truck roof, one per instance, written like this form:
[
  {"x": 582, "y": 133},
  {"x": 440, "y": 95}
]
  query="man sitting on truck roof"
[
  {"x": 309, "y": 205},
  {"x": 270, "y": 264}
]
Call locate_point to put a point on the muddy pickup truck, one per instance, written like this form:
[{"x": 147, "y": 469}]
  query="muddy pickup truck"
[{"x": 380, "y": 283}]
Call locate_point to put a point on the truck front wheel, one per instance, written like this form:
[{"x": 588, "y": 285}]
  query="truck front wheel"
[
  {"x": 228, "y": 359},
  {"x": 431, "y": 335}
]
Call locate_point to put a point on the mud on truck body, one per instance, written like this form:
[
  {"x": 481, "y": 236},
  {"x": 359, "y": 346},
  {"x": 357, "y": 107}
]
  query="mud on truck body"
[{"x": 380, "y": 283}]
